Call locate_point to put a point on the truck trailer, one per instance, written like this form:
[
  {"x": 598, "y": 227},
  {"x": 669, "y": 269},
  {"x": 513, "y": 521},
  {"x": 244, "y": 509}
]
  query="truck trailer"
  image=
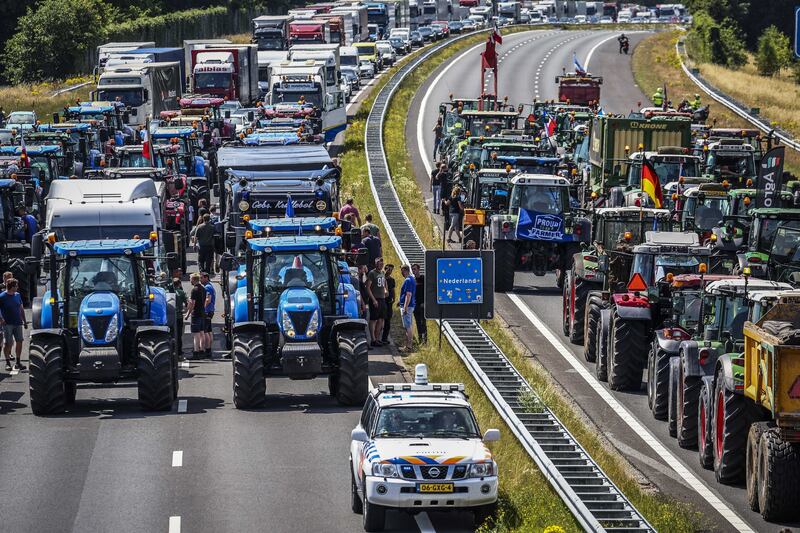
[
  {"x": 226, "y": 72},
  {"x": 272, "y": 32}
]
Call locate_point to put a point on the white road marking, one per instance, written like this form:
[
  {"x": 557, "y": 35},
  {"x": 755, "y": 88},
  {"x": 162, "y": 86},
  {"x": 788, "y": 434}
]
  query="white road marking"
[
  {"x": 595, "y": 47},
  {"x": 14, "y": 372},
  {"x": 424, "y": 523},
  {"x": 177, "y": 458},
  {"x": 638, "y": 429},
  {"x": 174, "y": 524},
  {"x": 182, "y": 405},
  {"x": 185, "y": 364}
]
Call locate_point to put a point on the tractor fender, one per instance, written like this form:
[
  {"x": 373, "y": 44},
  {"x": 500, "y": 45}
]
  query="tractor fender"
[
  {"x": 52, "y": 333},
  {"x": 141, "y": 331},
  {"x": 158, "y": 306},
  {"x": 724, "y": 368},
  {"x": 690, "y": 358},
  {"x": 240, "y": 305},
  {"x": 629, "y": 310},
  {"x": 250, "y": 327},
  {"x": 347, "y": 324},
  {"x": 578, "y": 267},
  {"x": 667, "y": 345}
]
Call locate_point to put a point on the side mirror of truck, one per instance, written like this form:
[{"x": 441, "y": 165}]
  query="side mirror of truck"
[
  {"x": 91, "y": 95},
  {"x": 215, "y": 188},
  {"x": 37, "y": 245},
  {"x": 359, "y": 435},
  {"x": 32, "y": 266},
  {"x": 491, "y": 435},
  {"x": 134, "y": 112},
  {"x": 227, "y": 262},
  {"x": 125, "y": 117}
]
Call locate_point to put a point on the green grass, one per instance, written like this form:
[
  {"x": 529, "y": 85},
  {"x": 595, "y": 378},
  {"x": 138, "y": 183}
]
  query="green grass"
[{"x": 39, "y": 97}]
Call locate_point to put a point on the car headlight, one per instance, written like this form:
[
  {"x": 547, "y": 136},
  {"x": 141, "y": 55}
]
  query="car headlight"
[
  {"x": 86, "y": 330},
  {"x": 113, "y": 329},
  {"x": 288, "y": 327},
  {"x": 481, "y": 470},
  {"x": 384, "y": 470},
  {"x": 313, "y": 325}
]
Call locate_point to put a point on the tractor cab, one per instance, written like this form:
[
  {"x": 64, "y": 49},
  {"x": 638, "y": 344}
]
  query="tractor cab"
[
  {"x": 764, "y": 240},
  {"x": 733, "y": 160},
  {"x": 182, "y": 146},
  {"x": 668, "y": 252},
  {"x": 703, "y": 208},
  {"x": 44, "y": 161},
  {"x": 672, "y": 165}
]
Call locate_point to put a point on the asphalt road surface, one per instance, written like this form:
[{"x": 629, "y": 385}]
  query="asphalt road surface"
[{"x": 529, "y": 63}]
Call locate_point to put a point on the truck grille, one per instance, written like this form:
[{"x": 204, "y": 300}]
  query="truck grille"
[{"x": 99, "y": 325}]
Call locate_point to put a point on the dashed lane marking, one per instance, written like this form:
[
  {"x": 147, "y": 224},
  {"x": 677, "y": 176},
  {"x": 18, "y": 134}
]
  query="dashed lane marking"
[
  {"x": 182, "y": 405},
  {"x": 174, "y": 524},
  {"x": 177, "y": 458}
]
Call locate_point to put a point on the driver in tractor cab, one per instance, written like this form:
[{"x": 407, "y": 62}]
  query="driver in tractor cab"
[{"x": 296, "y": 275}]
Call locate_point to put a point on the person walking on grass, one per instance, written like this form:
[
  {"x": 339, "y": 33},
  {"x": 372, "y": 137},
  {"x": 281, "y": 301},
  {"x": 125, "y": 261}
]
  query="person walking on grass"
[
  {"x": 376, "y": 290},
  {"x": 406, "y": 303},
  {"x": 390, "y": 299},
  {"x": 371, "y": 226},
  {"x": 12, "y": 317},
  {"x": 196, "y": 312}
]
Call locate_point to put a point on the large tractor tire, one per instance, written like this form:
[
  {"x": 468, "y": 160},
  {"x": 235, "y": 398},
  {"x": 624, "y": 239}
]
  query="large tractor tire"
[
  {"x": 566, "y": 292},
  {"x": 578, "y": 293},
  {"x": 705, "y": 421},
  {"x": 688, "y": 399},
  {"x": 249, "y": 382},
  {"x": 732, "y": 421},
  {"x": 46, "y": 377},
  {"x": 155, "y": 368},
  {"x": 591, "y": 324},
  {"x": 505, "y": 262},
  {"x": 601, "y": 350},
  {"x": 672, "y": 396},
  {"x": 658, "y": 382},
  {"x": 27, "y": 283},
  {"x": 198, "y": 191},
  {"x": 778, "y": 477},
  {"x": 752, "y": 461},
  {"x": 353, "y": 377},
  {"x": 627, "y": 342}
]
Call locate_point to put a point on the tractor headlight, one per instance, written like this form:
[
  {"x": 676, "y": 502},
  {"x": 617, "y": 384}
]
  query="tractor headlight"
[
  {"x": 86, "y": 330},
  {"x": 113, "y": 329},
  {"x": 481, "y": 470},
  {"x": 384, "y": 470},
  {"x": 288, "y": 327},
  {"x": 313, "y": 324}
]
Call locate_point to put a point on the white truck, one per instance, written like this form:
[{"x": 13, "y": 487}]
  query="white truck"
[
  {"x": 359, "y": 21},
  {"x": 510, "y": 10},
  {"x": 417, "y": 447},
  {"x": 146, "y": 89},
  {"x": 226, "y": 71},
  {"x": 328, "y": 53},
  {"x": 196, "y": 44},
  {"x": 104, "y": 50},
  {"x": 266, "y": 59}
]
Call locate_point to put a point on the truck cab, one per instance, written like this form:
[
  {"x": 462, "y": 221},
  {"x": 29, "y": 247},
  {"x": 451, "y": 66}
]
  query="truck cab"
[{"x": 146, "y": 89}]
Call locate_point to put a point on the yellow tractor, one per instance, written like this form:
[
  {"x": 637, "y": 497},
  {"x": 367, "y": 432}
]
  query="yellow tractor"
[{"x": 772, "y": 382}]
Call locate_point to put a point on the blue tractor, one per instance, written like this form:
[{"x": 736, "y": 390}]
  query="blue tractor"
[
  {"x": 292, "y": 314},
  {"x": 102, "y": 321}
]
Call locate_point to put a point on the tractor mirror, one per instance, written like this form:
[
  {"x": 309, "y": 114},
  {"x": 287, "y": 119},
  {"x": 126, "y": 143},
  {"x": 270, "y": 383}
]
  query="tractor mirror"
[
  {"x": 55, "y": 118},
  {"x": 32, "y": 266},
  {"x": 215, "y": 187},
  {"x": 250, "y": 116},
  {"x": 82, "y": 146},
  {"x": 617, "y": 170},
  {"x": 227, "y": 114},
  {"x": 226, "y": 262},
  {"x": 37, "y": 246}
]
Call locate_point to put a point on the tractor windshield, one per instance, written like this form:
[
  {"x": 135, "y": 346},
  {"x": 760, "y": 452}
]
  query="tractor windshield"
[
  {"x": 547, "y": 199},
  {"x": 130, "y": 159},
  {"x": 83, "y": 275},
  {"x": 732, "y": 165},
  {"x": 704, "y": 212},
  {"x": 88, "y": 233},
  {"x": 785, "y": 256},
  {"x": 761, "y": 239},
  {"x": 668, "y": 170},
  {"x": 686, "y": 307},
  {"x": 307, "y": 269},
  {"x": 655, "y": 267},
  {"x": 615, "y": 229}
]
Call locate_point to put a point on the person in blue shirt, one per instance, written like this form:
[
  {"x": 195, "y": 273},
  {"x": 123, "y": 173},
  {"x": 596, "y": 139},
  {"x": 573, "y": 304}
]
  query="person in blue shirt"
[
  {"x": 406, "y": 303},
  {"x": 12, "y": 318},
  {"x": 29, "y": 225},
  {"x": 211, "y": 300}
]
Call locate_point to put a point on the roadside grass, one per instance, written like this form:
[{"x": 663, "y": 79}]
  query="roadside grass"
[
  {"x": 655, "y": 60},
  {"x": 238, "y": 38},
  {"x": 528, "y": 503},
  {"x": 39, "y": 97}
]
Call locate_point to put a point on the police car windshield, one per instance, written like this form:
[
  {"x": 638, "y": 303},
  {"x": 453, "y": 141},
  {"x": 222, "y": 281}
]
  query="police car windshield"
[
  {"x": 545, "y": 199},
  {"x": 425, "y": 422}
]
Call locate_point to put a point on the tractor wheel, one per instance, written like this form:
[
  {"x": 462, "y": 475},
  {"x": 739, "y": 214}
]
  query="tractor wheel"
[
  {"x": 672, "y": 396},
  {"x": 688, "y": 398},
  {"x": 731, "y": 423},
  {"x": 356, "y": 503},
  {"x": 505, "y": 262},
  {"x": 627, "y": 340},
  {"x": 374, "y": 515},
  {"x": 70, "y": 391},
  {"x": 591, "y": 317},
  {"x": 353, "y": 377},
  {"x": 566, "y": 292},
  {"x": 579, "y": 292},
  {"x": 658, "y": 382},
  {"x": 155, "y": 366},
  {"x": 249, "y": 382},
  {"x": 778, "y": 477},
  {"x": 198, "y": 191},
  {"x": 752, "y": 462},
  {"x": 16, "y": 265},
  {"x": 601, "y": 347},
  {"x": 46, "y": 377},
  {"x": 705, "y": 421}
]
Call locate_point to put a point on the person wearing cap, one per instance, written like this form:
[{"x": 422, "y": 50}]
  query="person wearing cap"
[{"x": 211, "y": 300}]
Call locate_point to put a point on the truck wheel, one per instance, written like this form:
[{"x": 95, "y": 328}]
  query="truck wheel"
[
  {"x": 730, "y": 427},
  {"x": 591, "y": 323},
  {"x": 778, "y": 477},
  {"x": 601, "y": 347},
  {"x": 249, "y": 382},
  {"x": 658, "y": 382},
  {"x": 505, "y": 262},
  {"x": 688, "y": 398},
  {"x": 374, "y": 515},
  {"x": 46, "y": 377},
  {"x": 705, "y": 419},
  {"x": 483, "y": 512},
  {"x": 353, "y": 377},
  {"x": 752, "y": 462},
  {"x": 578, "y": 307},
  {"x": 672, "y": 396},
  {"x": 566, "y": 300},
  {"x": 355, "y": 500},
  {"x": 627, "y": 338},
  {"x": 155, "y": 369}
]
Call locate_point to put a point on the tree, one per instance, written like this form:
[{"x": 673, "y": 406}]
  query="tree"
[
  {"x": 714, "y": 42},
  {"x": 774, "y": 52},
  {"x": 51, "y": 39}
]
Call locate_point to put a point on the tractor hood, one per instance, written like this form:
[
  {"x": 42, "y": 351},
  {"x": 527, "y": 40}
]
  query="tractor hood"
[
  {"x": 428, "y": 451},
  {"x": 299, "y": 314},
  {"x": 99, "y": 313}
]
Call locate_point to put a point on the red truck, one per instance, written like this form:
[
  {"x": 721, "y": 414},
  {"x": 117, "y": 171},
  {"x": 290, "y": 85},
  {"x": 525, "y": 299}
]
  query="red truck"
[
  {"x": 226, "y": 71},
  {"x": 579, "y": 90},
  {"x": 337, "y": 31},
  {"x": 309, "y": 32}
]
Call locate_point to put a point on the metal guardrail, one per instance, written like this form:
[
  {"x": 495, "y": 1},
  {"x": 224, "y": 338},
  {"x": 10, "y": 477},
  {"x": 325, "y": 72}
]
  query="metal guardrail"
[
  {"x": 733, "y": 105},
  {"x": 593, "y": 499}
]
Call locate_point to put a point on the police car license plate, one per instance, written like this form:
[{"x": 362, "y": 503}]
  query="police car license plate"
[{"x": 435, "y": 487}]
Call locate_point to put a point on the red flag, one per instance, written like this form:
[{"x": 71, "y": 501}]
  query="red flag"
[
  {"x": 496, "y": 35},
  {"x": 651, "y": 185},
  {"x": 489, "y": 56}
]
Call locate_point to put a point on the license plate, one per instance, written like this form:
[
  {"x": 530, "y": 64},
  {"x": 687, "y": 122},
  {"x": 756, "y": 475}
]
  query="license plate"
[{"x": 435, "y": 487}]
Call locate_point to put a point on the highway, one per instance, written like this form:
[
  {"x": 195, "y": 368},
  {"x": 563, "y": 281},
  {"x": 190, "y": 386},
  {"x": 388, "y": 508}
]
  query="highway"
[{"x": 528, "y": 65}]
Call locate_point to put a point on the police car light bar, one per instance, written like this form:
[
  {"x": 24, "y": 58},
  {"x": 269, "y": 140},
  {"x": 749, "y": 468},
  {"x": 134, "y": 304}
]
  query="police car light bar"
[{"x": 413, "y": 387}]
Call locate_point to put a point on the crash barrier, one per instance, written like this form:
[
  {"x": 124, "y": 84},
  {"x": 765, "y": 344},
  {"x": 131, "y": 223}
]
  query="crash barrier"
[
  {"x": 741, "y": 110},
  {"x": 593, "y": 499}
]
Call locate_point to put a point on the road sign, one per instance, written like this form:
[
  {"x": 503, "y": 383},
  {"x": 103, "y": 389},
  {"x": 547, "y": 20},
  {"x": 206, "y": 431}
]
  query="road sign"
[
  {"x": 797, "y": 31},
  {"x": 459, "y": 281}
]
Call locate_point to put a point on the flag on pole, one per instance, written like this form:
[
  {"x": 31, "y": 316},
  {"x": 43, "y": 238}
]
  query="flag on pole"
[
  {"x": 289, "y": 206},
  {"x": 146, "y": 143},
  {"x": 489, "y": 56},
  {"x": 651, "y": 185},
  {"x": 579, "y": 70},
  {"x": 496, "y": 36}
]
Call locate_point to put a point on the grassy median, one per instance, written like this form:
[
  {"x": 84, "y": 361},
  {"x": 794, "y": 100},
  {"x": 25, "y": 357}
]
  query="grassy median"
[{"x": 528, "y": 503}]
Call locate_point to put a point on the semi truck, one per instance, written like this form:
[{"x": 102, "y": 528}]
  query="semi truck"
[
  {"x": 337, "y": 28},
  {"x": 327, "y": 53},
  {"x": 309, "y": 31},
  {"x": 146, "y": 89},
  {"x": 194, "y": 44},
  {"x": 226, "y": 71},
  {"x": 104, "y": 50},
  {"x": 266, "y": 59},
  {"x": 149, "y": 55},
  {"x": 510, "y": 10},
  {"x": 359, "y": 20},
  {"x": 271, "y": 32}
]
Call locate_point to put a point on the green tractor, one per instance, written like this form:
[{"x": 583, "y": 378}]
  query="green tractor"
[{"x": 772, "y": 245}]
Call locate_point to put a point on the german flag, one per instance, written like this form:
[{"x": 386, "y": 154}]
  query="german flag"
[{"x": 651, "y": 185}]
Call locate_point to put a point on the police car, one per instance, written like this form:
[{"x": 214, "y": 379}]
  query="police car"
[{"x": 418, "y": 448}]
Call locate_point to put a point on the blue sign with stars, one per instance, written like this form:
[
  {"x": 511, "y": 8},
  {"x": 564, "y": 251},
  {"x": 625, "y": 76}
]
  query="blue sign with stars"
[{"x": 459, "y": 281}]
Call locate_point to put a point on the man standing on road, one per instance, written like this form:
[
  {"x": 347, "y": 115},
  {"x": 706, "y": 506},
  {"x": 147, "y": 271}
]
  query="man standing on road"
[
  {"x": 196, "y": 312},
  {"x": 407, "y": 292},
  {"x": 211, "y": 300},
  {"x": 204, "y": 238},
  {"x": 387, "y": 321},
  {"x": 12, "y": 316},
  {"x": 419, "y": 309},
  {"x": 373, "y": 246},
  {"x": 349, "y": 209},
  {"x": 376, "y": 290},
  {"x": 437, "y": 137},
  {"x": 438, "y": 176}
]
